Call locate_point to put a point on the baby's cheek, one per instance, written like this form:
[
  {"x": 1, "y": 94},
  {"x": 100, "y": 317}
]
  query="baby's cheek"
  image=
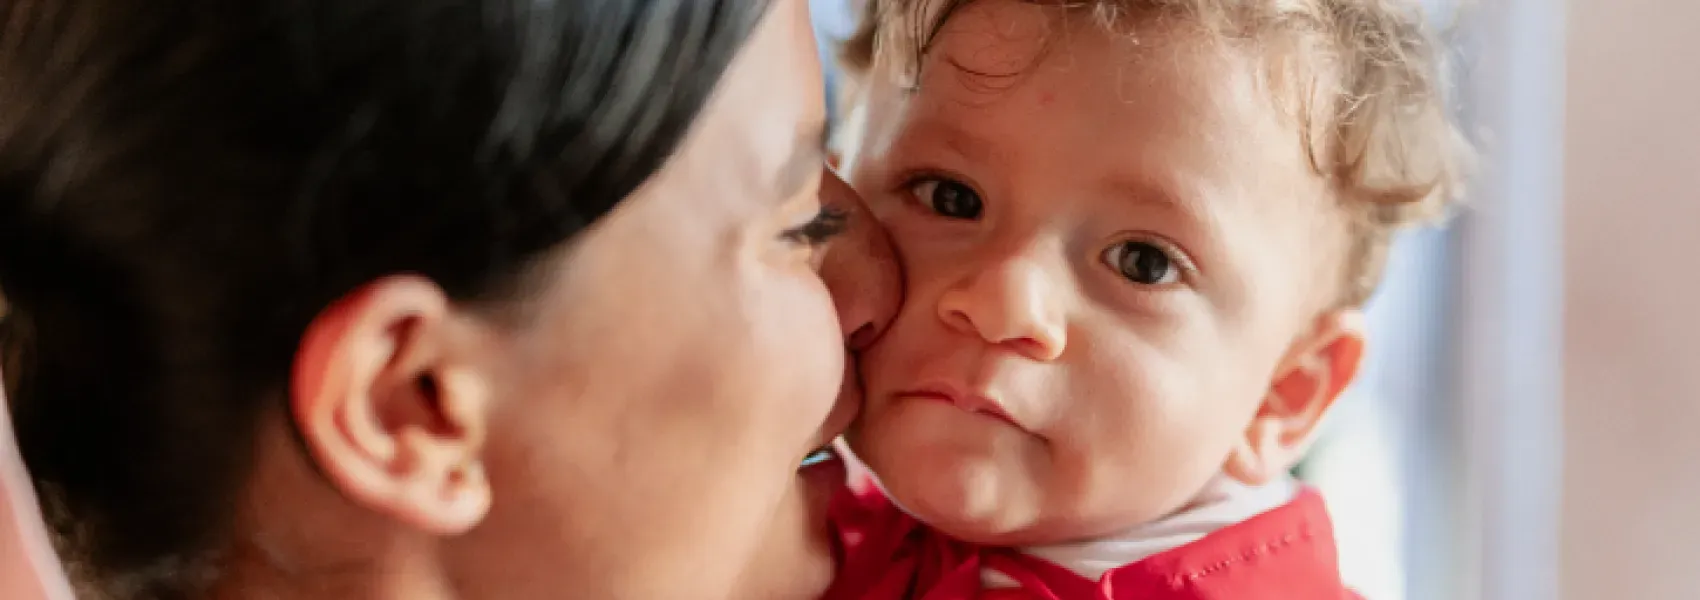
[{"x": 1139, "y": 437}]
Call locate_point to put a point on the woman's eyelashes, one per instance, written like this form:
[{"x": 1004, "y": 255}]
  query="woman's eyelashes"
[
  {"x": 947, "y": 197},
  {"x": 825, "y": 225}
]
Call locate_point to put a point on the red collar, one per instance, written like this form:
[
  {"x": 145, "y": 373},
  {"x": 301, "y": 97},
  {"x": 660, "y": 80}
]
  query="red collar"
[{"x": 1285, "y": 553}]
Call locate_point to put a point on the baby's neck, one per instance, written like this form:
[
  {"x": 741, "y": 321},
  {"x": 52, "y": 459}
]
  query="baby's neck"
[{"x": 1223, "y": 502}]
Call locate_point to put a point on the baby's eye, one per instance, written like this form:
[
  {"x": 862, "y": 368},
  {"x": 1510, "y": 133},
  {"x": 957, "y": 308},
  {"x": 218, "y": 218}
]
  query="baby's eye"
[
  {"x": 948, "y": 198},
  {"x": 1142, "y": 263}
]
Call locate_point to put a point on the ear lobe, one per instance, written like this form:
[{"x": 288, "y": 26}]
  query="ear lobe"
[
  {"x": 390, "y": 409},
  {"x": 1310, "y": 380}
]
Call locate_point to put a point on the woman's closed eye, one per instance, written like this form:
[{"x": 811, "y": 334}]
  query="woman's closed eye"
[
  {"x": 947, "y": 197},
  {"x": 825, "y": 225}
]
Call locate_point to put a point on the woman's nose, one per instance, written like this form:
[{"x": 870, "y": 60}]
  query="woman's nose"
[
  {"x": 1009, "y": 302},
  {"x": 860, "y": 269}
]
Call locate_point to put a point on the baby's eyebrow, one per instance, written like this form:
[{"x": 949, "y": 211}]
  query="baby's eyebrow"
[
  {"x": 958, "y": 140},
  {"x": 1148, "y": 193},
  {"x": 1190, "y": 205}
]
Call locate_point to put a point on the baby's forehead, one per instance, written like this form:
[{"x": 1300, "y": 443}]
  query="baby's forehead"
[
  {"x": 1002, "y": 35},
  {"x": 992, "y": 45},
  {"x": 1173, "y": 98},
  {"x": 1007, "y": 51}
]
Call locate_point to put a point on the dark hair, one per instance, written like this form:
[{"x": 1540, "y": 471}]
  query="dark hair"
[{"x": 185, "y": 184}]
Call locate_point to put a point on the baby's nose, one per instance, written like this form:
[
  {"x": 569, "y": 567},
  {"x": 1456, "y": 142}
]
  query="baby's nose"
[{"x": 1009, "y": 302}]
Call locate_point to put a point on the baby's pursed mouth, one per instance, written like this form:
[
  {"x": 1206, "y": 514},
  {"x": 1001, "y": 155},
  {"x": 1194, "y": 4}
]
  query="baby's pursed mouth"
[{"x": 973, "y": 404}]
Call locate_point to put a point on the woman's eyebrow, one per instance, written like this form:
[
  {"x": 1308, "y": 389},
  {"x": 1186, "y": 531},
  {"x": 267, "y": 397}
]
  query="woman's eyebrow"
[{"x": 808, "y": 155}]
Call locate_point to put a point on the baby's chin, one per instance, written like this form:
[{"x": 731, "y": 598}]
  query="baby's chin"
[
  {"x": 988, "y": 487},
  {"x": 983, "y": 501},
  {"x": 974, "y": 498}
]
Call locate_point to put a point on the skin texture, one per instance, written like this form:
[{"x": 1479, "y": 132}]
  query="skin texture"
[
  {"x": 632, "y": 431},
  {"x": 1035, "y": 389}
]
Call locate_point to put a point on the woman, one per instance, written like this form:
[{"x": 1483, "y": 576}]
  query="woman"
[{"x": 402, "y": 299}]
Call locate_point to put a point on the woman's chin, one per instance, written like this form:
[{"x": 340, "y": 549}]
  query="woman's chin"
[
  {"x": 823, "y": 471},
  {"x": 797, "y": 559}
]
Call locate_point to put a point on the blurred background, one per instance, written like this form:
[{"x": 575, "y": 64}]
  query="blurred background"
[{"x": 1528, "y": 426}]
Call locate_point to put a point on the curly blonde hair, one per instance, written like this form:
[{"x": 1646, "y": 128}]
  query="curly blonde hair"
[{"x": 1364, "y": 77}]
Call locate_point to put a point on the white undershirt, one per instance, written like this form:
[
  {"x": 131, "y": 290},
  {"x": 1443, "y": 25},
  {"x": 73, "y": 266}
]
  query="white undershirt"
[{"x": 1224, "y": 502}]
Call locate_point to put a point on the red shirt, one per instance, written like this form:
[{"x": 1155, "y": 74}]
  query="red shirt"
[{"x": 1284, "y": 554}]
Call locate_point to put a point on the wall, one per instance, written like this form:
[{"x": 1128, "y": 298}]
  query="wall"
[{"x": 1631, "y": 508}]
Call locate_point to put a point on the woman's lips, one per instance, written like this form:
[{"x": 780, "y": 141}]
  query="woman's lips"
[
  {"x": 843, "y": 413},
  {"x": 837, "y": 422},
  {"x": 845, "y": 409}
]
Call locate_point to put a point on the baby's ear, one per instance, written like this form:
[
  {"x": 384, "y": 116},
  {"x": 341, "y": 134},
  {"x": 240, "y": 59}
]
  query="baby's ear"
[{"x": 1318, "y": 368}]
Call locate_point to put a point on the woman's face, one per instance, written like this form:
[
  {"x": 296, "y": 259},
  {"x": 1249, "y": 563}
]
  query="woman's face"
[{"x": 682, "y": 361}]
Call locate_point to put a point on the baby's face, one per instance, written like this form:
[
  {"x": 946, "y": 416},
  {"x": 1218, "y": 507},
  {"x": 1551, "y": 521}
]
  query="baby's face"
[{"x": 1111, "y": 247}]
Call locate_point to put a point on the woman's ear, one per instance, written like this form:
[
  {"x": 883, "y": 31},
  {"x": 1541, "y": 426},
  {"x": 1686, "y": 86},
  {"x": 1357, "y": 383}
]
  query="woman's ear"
[
  {"x": 1315, "y": 373},
  {"x": 390, "y": 401}
]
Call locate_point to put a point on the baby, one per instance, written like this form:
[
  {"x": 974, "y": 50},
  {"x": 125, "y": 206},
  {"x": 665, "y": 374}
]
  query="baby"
[{"x": 1137, "y": 236}]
